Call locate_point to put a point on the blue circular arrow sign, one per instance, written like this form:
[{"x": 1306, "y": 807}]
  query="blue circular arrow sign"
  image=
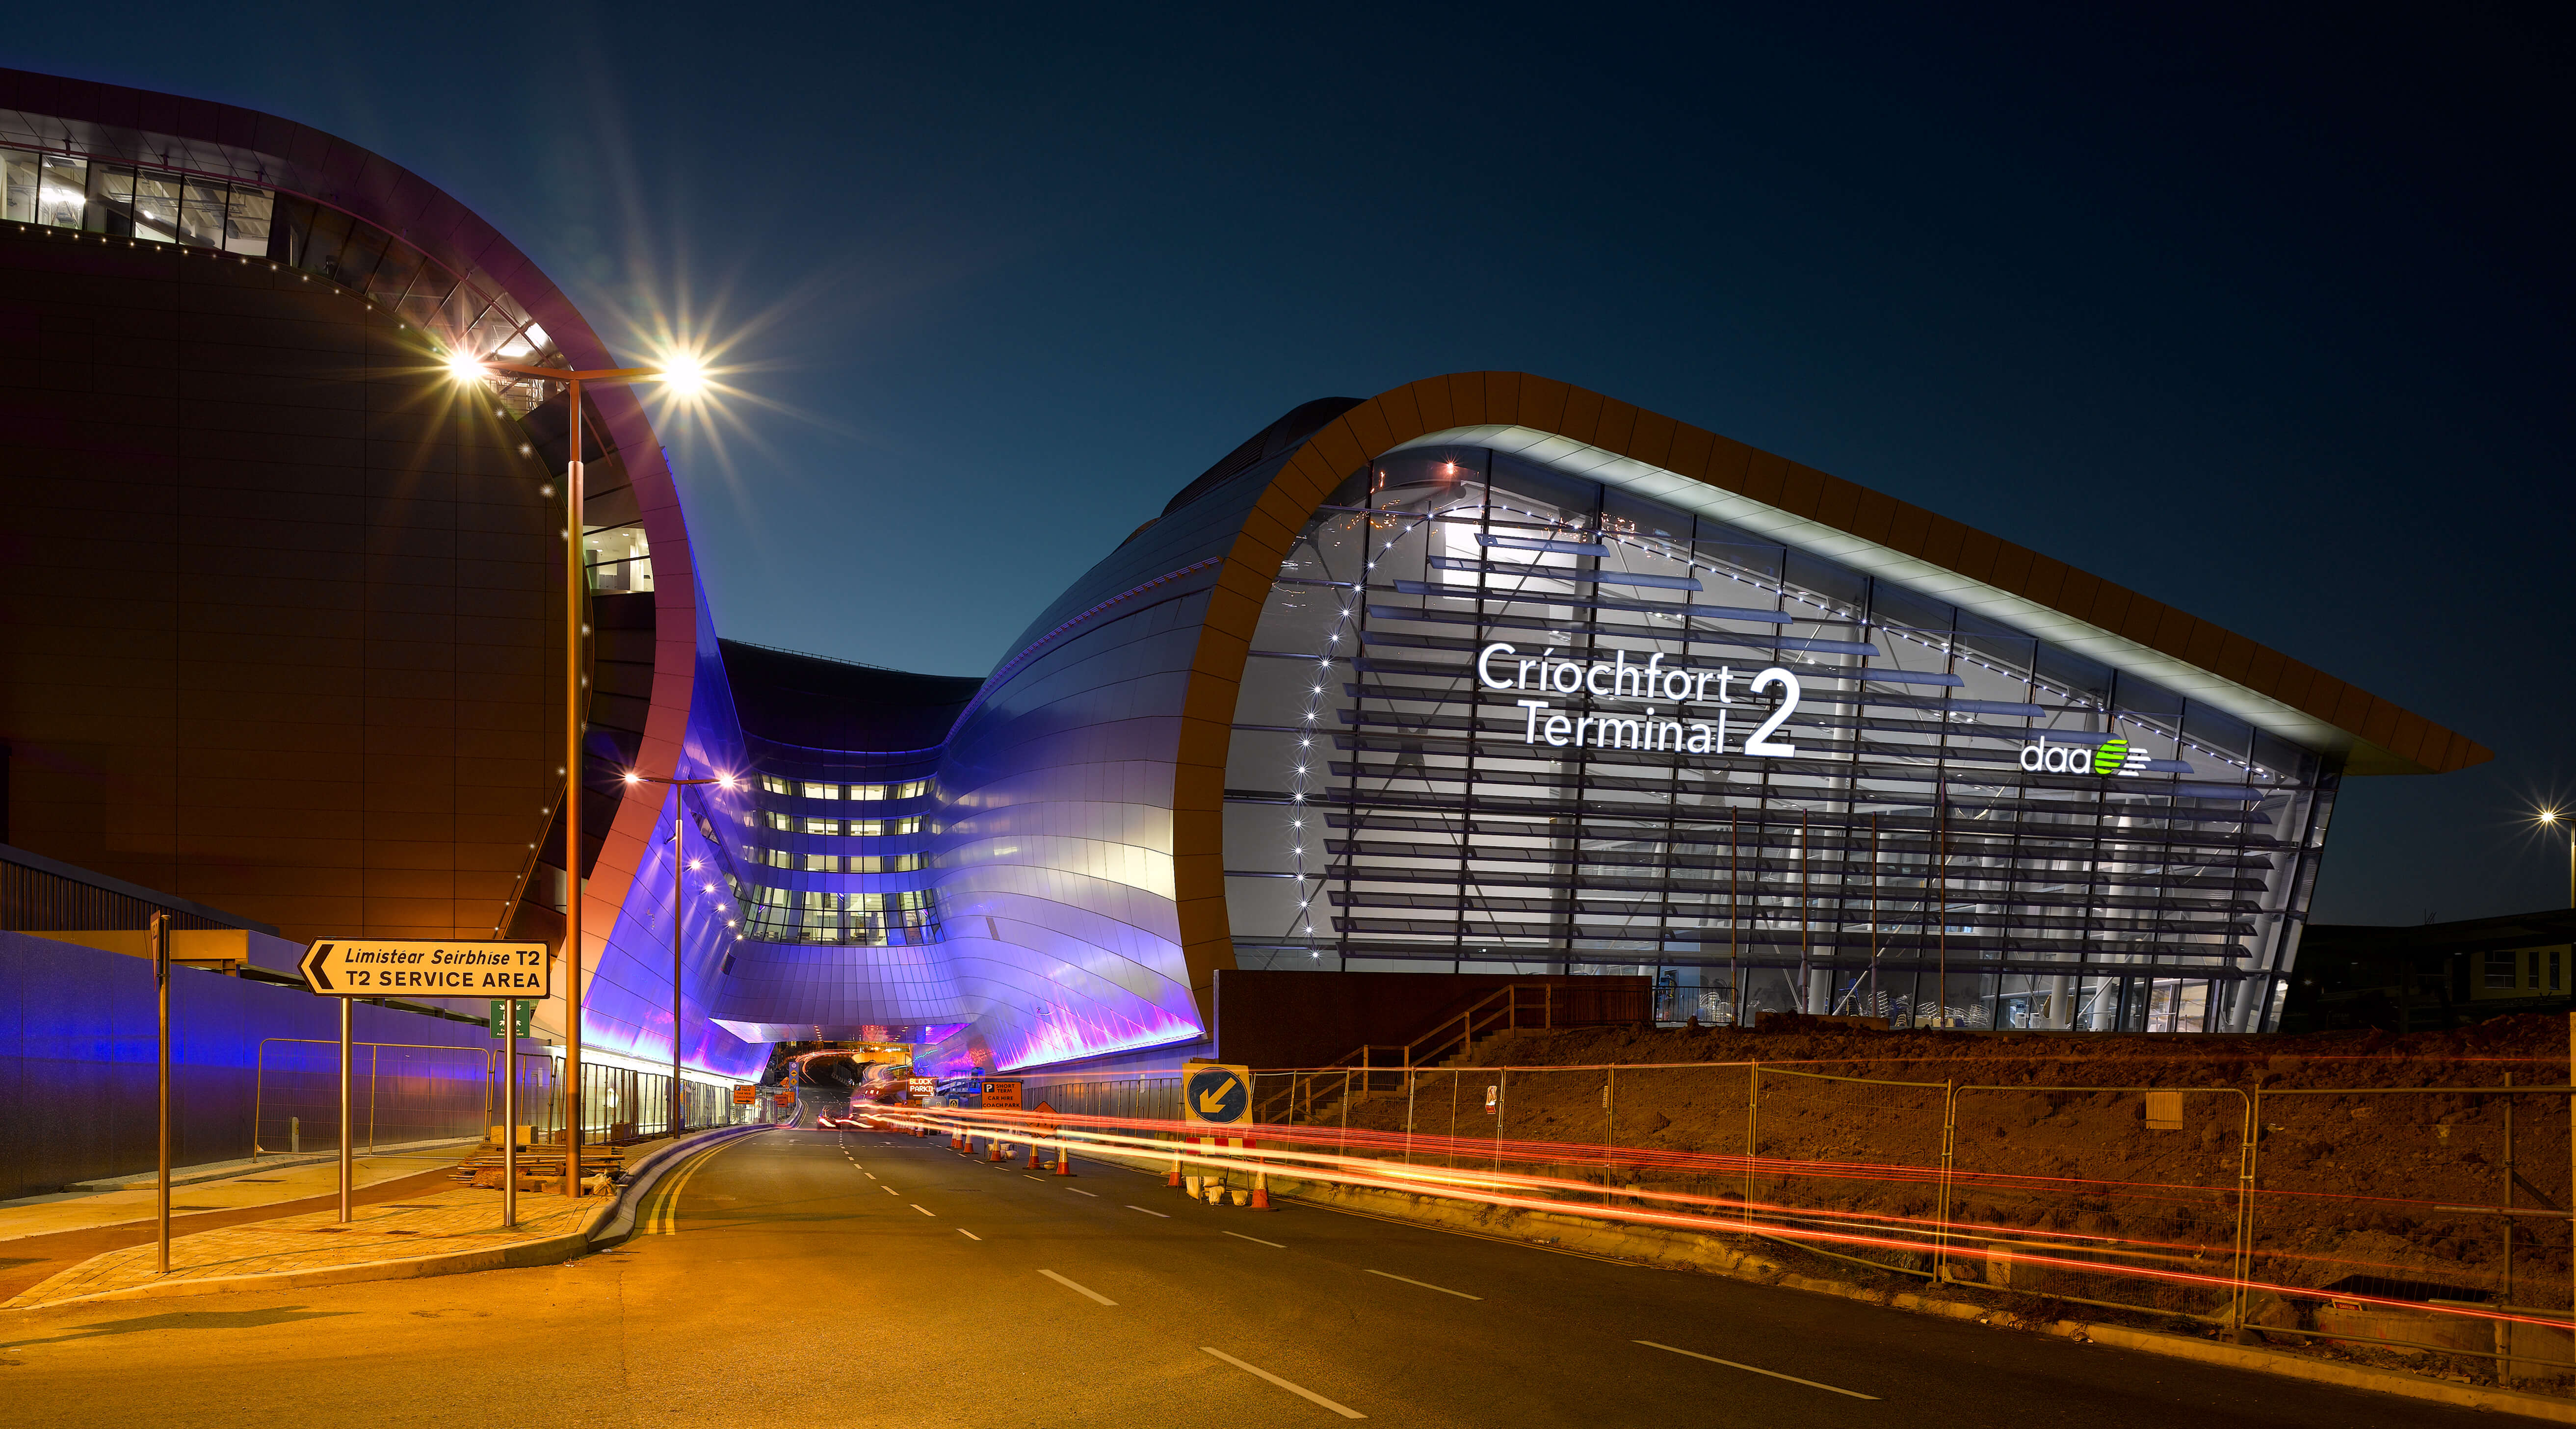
[{"x": 1216, "y": 1094}]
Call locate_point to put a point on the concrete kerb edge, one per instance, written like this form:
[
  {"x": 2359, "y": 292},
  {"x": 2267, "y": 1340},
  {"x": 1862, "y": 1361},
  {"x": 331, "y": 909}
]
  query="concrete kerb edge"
[
  {"x": 645, "y": 1174},
  {"x": 552, "y": 1250},
  {"x": 1697, "y": 1251}
]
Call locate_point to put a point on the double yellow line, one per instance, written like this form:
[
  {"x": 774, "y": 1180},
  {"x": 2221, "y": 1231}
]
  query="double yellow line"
[{"x": 664, "y": 1216}]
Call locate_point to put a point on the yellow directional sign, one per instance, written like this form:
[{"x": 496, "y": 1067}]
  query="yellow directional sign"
[
  {"x": 427, "y": 967},
  {"x": 1218, "y": 1093}
]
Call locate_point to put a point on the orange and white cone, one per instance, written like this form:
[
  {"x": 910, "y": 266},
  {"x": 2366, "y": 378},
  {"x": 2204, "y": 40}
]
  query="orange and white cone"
[{"x": 1063, "y": 1162}]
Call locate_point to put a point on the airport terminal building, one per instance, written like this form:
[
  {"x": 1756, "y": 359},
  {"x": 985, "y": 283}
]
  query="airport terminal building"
[{"x": 1486, "y": 673}]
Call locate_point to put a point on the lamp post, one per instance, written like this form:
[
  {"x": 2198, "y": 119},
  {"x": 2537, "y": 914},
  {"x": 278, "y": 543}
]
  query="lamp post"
[
  {"x": 679, "y": 876},
  {"x": 2549, "y": 819},
  {"x": 684, "y": 375}
]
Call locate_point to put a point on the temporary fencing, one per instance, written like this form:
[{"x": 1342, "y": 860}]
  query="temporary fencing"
[{"x": 2420, "y": 1220}]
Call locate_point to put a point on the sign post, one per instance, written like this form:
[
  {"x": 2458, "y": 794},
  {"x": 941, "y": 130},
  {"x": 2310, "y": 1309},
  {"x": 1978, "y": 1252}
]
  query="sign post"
[
  {"x": 348, "y": 1125},
  {"x": 348, "y": 968},
  {"x": 161, "y": 985}
]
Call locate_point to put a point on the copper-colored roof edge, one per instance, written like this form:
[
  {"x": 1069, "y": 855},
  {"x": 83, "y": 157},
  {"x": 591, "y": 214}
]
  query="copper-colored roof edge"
[{"x": 2289, "y": 698}]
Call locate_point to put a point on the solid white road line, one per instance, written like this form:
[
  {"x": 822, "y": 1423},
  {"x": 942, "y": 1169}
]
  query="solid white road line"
[
  {"x": 1750, "y": 1369},
  {"x": 917, "y": 1206},
  {"x": 1077, "y": 1289},
  {"x": 970, "y": 1235},
  {"x": 1256, "y": 1240},
  {"x": 1427, "y": 1285},
  {"x": 1343, "y": 1410},
  {"x": 1077, "y": 1190},
  {"x": 1158, "y": 1215}
]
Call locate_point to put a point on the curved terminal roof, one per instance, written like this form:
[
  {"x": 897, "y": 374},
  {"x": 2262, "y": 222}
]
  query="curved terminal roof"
[{"x": 1576, "y": 430}]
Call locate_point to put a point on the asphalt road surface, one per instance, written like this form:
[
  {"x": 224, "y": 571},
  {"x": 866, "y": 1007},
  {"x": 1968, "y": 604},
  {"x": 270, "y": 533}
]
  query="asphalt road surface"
[{"x": 800, "y": 1278}]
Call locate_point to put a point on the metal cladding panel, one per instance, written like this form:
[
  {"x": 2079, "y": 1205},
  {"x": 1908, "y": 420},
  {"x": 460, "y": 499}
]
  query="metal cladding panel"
[
  {"x": 198, "y": 137},
  {"x": 1056, "y": 863},
  {"x": 78, "y": 1081},
  {"x": 628, "y": 997}
]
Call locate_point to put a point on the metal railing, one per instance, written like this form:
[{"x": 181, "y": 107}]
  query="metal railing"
[{"x": 1543, "y": 1006}]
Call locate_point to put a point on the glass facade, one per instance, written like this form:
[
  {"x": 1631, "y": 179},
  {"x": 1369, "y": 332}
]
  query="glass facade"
[
  {"x": 95, "y": 195},
  {"x": 1498, "y": 717},
  {"x": 849, "y": 905}
]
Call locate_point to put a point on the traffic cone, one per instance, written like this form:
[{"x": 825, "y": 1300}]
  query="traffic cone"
[
  {"x": 1173, "y": 1177},
  {"x": 997, "y": 1150},
  {"x": 1037, "y": 1157},
  {"x": 1261, "y": 1190},
  {"x": 1063, "y": 1162}
]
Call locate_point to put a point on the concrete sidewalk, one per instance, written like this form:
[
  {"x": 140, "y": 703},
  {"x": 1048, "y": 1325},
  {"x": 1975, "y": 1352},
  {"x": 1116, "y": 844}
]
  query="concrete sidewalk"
[
  {"x": 439, "y": 1228},
  {"x": 254, "y": 1184}
]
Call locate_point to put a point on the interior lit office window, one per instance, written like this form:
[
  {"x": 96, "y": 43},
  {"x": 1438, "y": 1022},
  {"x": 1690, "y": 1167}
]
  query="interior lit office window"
[
  {"x": 771, "y": 783},
  {"x": 869, "y": 791},
  {"x": 823, "y": 826},
  {"x": 822, "y": 791},
  {"x": 822, "y": 863}
]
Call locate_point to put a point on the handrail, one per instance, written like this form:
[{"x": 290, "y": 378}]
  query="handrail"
[{"x": 1457, "y": 1029}]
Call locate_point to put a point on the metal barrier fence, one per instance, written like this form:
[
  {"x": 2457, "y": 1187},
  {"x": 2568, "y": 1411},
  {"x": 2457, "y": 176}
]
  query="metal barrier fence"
[
  {"x": 2387, "y": 1206},
  {"x": 405, "y": 1092}
]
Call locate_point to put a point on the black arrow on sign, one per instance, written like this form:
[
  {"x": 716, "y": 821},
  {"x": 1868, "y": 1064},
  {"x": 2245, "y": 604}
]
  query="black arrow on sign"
[{"x": 313, "y": 960}]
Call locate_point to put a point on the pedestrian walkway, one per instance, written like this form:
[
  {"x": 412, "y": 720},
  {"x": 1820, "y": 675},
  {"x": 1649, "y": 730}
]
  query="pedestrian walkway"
[
  {"x": 253, "y": 1185},
  {"x": 445, "y": 1223}
]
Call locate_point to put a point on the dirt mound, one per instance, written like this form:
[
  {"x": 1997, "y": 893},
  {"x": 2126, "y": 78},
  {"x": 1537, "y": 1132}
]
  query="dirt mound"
[{"x": 2052, "y": 1133}]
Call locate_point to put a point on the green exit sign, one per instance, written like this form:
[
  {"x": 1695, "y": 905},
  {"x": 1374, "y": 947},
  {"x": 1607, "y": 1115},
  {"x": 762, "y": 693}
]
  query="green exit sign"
[{"x": 527, "y": 1013}]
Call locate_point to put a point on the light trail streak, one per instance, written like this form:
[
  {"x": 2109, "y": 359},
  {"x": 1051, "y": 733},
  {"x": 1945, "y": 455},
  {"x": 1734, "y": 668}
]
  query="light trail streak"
[{"x": 1697, "y": 1213}]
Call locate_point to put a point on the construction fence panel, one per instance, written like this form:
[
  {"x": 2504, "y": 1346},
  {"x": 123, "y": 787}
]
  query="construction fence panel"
[
  {"x": 1822, "y": 1150},
  {"x": 2481, "y": 1220},
  {"x": 398, "y": 1093},
  {"x": 2130, "y": 1197}
]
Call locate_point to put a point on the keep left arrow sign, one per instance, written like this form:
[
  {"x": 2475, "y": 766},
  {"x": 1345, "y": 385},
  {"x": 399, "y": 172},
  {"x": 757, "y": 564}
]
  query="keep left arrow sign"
[{"x": 317, "y": 974}]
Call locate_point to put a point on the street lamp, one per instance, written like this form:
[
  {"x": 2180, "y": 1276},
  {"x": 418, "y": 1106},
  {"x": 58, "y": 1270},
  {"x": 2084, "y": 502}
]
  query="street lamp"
[
  {"x": 679, "y": 877},
  {"x": 686, "y": 376},
  {"x": 2549, "y": 819}
]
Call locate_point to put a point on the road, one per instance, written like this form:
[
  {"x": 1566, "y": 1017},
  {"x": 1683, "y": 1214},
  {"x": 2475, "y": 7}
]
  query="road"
[{"x": 795, "y": 1278}]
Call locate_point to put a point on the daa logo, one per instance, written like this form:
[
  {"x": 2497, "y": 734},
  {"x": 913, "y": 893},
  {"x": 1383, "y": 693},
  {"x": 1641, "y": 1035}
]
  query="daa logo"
[{"x": 2115, "y": 756}]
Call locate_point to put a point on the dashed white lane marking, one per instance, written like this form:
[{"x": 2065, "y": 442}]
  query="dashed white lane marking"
[
  {"x": 1343, "y": 1410},
  {"x": 1077, "y": 1289},
  {"x": 1027, "y": 1177},
  {"x": 871, "y": 1175},
  {"x": 1750, "y": 1369},
  {"x": 970, "y": 1235},
  {"x": 1256, "y": 1240},
  {"x": 1427, "y": 1285},
  {"x": 889, "y": 1190},
  {"x": 917, "y": 1206},
  {"x": 1156, "y": 1214},
  {"x": 1077, "y": 1190}
]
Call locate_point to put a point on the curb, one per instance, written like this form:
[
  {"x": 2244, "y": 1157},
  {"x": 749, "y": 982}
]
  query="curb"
[
  {"x": 1684, "y": 1250},
  {"x": 552, "y": 1250},
  {"x": 594, "y": 1230},
  {"x": 648, "y": 1172}
]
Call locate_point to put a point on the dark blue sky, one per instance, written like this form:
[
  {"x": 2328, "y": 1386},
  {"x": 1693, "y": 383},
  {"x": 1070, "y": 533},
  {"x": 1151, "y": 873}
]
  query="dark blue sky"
[{"x": 2268, "y": 318}]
